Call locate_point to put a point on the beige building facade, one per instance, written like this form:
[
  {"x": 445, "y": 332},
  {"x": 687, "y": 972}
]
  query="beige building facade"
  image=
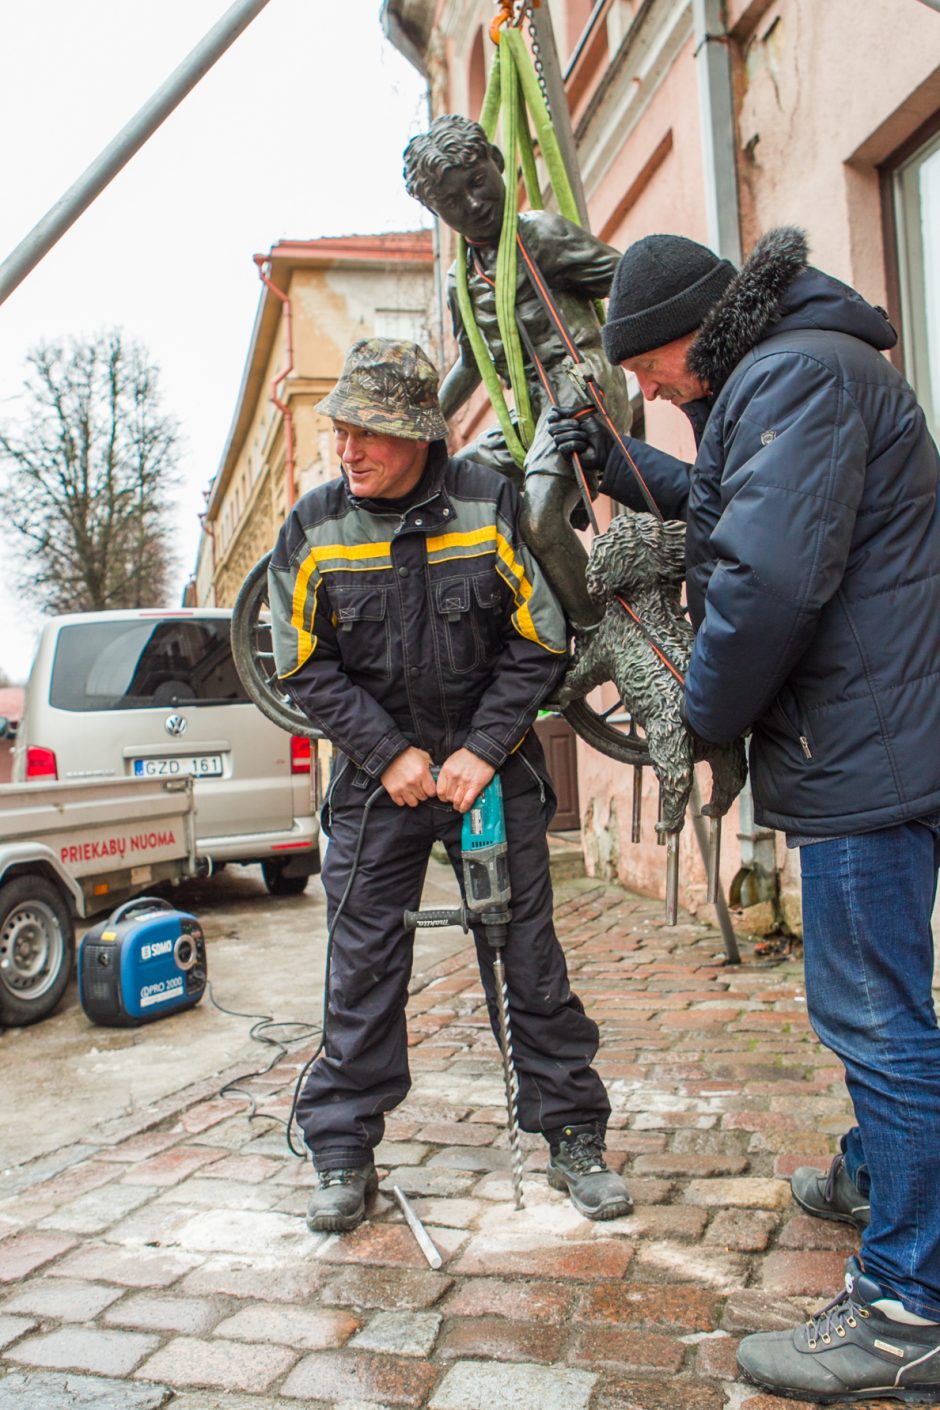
[
  {"x": 317, "y": 298},
  {"x": 719, "y": 119}
]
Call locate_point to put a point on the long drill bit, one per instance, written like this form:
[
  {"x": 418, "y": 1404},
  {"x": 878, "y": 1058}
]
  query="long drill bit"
[{"x": 509, "y": 1075}]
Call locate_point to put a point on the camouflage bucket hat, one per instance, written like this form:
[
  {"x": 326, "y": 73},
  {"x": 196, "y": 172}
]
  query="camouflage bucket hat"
[{"x": 389, "y": 386}]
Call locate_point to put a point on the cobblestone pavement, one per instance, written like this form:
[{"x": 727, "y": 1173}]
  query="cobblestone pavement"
[{"x": 165, "y": 1261}]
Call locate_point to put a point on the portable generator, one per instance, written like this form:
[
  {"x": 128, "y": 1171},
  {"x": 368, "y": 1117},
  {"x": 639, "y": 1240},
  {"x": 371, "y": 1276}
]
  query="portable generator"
[{"x": 145, "y": 961}]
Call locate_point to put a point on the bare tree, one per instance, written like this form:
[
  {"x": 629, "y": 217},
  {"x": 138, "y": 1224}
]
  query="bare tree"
[{"x": 90, "y": 468}]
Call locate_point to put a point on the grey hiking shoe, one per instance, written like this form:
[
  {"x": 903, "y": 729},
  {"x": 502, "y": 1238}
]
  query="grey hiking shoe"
[
  {"x": 832, "y": 1196},
  {"x": 849, "y": 1351},
  {"x": 340, "y": 1202},
  {"x": 577, "y": 1165}
]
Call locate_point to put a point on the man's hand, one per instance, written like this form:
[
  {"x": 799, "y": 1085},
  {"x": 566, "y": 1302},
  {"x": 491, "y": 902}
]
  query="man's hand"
[
  {"x": 408, "y": 780},
  {"x": 463, "y": 778},
  {"x": 582, "y": 436}
]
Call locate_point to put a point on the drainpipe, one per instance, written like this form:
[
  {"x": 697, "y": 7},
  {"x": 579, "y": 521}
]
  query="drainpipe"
[
  {"x": 719, "y": 130},
  {"x": 756, "y": 879},
  {"x": 290, "y": 466}
]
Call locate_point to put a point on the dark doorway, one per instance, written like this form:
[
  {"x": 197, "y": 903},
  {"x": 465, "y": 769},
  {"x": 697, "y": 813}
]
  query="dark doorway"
[{"x": 559, "y": 741}]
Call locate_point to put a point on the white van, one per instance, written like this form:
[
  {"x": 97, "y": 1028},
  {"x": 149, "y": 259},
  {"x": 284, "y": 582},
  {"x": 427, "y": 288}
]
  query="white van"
[{"x": 155, "y": 694}]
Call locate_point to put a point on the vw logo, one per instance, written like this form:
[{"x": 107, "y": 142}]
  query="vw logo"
[{"x": 175, "y": 724}]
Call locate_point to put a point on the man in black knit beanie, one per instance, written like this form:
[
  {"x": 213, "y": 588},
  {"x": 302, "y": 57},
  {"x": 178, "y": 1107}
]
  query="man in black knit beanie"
[
  {"x": 813, "y": 581},
  {"x": 662, "y": 290}
]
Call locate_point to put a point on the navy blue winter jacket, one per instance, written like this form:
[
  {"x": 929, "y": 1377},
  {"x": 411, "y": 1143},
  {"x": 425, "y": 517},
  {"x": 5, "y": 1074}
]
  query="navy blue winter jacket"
[{"x": 812, "y": 550}]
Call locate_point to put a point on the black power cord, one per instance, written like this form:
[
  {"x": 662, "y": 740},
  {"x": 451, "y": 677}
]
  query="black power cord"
[{"x": 260, "y": 1031}]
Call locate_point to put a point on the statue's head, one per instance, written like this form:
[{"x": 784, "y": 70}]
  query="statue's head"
[{"x": 455, "y": 171}]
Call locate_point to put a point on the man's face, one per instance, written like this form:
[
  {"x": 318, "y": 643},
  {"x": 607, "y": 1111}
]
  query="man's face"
[
  {"x": 664, "y": 373},
  {"x": 377, "y": 466},
  {"x": 470, "y": 200}
]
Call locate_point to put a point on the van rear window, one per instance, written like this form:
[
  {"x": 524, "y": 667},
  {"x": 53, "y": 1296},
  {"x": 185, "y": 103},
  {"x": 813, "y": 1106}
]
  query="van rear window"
[{"x": 131, "y": 665}]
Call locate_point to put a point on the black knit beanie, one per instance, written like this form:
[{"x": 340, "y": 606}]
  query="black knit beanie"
[{"x": 663, "y": 287}]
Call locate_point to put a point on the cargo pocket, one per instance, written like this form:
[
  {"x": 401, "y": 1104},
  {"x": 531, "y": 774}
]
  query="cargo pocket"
[
  {"x": 362, "y": 630},
  {"x": 463, "y": 648},
  {"x": 489, "y": 615}
]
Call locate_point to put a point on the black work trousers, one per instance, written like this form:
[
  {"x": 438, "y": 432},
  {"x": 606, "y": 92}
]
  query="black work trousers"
[{"x": 363, "y": 1071}]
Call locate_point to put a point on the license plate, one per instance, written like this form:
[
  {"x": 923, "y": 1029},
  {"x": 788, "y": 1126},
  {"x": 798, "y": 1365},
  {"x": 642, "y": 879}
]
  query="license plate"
[{"x": 180, "y": 766}]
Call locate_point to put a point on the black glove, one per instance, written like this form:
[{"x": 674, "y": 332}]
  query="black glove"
[{"x": 578, "y": 435}]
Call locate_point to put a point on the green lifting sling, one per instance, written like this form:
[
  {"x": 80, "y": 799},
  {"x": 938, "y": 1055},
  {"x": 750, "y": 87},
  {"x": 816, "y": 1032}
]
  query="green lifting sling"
[{"x": 514, "y": 91}]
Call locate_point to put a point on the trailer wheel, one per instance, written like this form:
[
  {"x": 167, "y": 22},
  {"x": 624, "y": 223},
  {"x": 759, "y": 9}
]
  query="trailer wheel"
[
  {"x": 37, "y": 939},
  {"x": 280, "y": 885}
]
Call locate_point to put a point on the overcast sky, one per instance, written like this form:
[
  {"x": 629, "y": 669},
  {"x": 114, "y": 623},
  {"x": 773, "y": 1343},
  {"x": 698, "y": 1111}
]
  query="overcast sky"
[{"x": 296, "y": 132}]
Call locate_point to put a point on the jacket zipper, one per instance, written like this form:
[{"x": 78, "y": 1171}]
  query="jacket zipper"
[
  {"x": 796, "y": 731},
  {"x": 423, "y": 505}
]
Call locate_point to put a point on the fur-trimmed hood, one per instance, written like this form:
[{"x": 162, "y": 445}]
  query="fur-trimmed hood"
[{"x": 776, "y": 290}]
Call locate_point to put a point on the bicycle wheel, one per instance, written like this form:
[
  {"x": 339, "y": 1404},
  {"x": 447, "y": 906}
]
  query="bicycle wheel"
[
  {"x": 254, "y": 654},
  {"x": 595, "y": 730}
]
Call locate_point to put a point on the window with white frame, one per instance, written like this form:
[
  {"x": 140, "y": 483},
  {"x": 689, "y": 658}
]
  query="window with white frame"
[{"x": 916, "y": 184}]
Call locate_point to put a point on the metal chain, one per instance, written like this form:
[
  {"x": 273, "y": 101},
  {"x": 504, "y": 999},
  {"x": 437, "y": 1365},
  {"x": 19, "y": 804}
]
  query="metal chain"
[{"x": 527, "y": 9}]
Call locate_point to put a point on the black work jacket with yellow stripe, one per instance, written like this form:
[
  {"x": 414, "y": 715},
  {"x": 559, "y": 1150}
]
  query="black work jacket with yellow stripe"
[{"x": 427, "y": 625}]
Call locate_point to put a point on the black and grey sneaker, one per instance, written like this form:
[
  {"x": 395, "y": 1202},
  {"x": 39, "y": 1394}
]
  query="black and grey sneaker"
[
  {"x": 577, "y": 1165},
  {"x": 851, "y": 1350},
  {"x": 340, "y": 1202},
  {"x": 832, "y": 1196}
]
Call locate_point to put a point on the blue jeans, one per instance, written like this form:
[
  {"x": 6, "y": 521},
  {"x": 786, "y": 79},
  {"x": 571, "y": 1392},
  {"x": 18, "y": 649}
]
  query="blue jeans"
[{"x": 867, "y": 903}]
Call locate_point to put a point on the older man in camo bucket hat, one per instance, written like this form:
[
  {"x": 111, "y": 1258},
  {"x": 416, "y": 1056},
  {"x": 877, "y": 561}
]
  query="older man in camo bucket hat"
[{"x": 414, "y": 629}]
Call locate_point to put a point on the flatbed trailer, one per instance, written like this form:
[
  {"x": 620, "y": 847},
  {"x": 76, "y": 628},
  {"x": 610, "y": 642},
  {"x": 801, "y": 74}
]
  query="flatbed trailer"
[{"x": 67, "y": 851}]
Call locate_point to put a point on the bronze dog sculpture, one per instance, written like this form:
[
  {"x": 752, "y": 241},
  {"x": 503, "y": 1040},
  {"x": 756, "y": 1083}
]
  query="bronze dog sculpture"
[{"x": 641, "y": 559}]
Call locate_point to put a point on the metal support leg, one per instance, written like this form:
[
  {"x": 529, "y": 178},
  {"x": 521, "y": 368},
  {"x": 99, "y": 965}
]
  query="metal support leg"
[
  {"x": 714, "y": 859},
  {"x": 721, "y": 908},
  {"x": 637, "y": 790},
  {"x": 672, "y": 877}
]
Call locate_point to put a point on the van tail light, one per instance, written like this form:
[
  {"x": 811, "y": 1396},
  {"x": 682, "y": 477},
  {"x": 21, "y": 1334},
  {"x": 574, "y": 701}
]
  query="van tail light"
[
  {"x": 41, "y": 763},
  {"x": 299, "y": 754}
]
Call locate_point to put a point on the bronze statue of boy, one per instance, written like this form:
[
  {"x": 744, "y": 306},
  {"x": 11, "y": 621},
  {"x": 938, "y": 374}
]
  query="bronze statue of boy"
[{"x": 456, "y": 172}]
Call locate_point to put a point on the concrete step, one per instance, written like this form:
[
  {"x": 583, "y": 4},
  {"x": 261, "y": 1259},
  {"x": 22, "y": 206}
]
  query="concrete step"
[{"x": 565, "y": 855}]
